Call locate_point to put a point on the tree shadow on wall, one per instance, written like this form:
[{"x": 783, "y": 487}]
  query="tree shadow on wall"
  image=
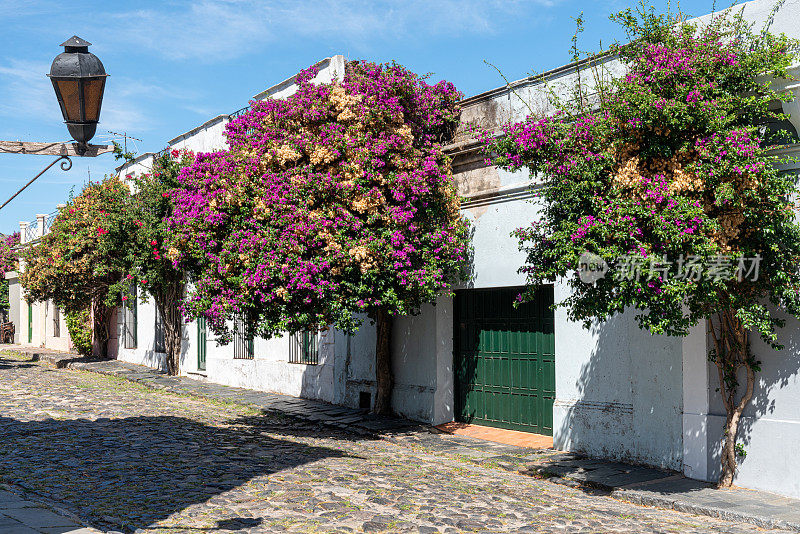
[{"x": 621, "y": 395}]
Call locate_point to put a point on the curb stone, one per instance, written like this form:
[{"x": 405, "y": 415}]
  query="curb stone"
[
  {"x": 646, "y": 498},
  {"x": 640, "y": 498}
]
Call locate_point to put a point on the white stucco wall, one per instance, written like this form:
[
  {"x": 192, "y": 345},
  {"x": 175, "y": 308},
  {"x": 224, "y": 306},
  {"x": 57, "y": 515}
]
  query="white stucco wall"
[
  {"x": 618, "y": 391},
  {"x": 422, "y": 364},
  {"x": 770, "y": 426}
]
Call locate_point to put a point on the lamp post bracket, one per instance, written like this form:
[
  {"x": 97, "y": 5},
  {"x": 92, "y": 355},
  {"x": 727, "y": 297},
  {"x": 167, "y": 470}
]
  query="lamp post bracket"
[{"x": 53, "y": 149}]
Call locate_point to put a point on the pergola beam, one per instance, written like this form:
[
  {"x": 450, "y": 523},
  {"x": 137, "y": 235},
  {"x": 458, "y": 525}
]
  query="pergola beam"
[{"x": 52, "y": 149}]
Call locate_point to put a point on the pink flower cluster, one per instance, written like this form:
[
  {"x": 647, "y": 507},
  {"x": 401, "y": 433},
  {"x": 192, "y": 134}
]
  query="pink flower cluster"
[{"x": 8, "y": 257}]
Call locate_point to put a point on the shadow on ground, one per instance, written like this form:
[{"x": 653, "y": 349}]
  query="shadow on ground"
[{"x": 128, "y": 473}]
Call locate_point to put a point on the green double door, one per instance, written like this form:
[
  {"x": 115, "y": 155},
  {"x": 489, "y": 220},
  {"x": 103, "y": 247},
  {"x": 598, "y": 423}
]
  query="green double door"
[{"x": 505, "y": 359}]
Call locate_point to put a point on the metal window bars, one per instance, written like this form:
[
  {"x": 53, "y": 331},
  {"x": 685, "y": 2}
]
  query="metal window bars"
[
  {"x": 159, "y": 342},
  {"x": 127, "y": 320},
  {"x": 243, "y": 338},
  {"x": 304, "y": 347}
]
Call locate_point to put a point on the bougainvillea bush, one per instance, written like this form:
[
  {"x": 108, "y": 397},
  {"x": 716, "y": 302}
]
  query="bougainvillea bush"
[
  {"x": 334, "y": 203},
  {"x": 79, "y": 326},
  {"x": 78, "y": 263},
  {"x": 147, "y": 266},
  {"x": 665, "y": 175}
]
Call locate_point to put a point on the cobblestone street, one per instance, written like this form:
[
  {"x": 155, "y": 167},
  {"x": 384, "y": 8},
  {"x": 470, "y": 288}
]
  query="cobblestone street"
[{"x": 124, "y": 457}]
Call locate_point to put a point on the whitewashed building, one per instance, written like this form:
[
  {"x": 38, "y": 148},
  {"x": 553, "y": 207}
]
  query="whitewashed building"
[
  {"x": 613, "y": 391},
  {"x": 38, "y": 324}
]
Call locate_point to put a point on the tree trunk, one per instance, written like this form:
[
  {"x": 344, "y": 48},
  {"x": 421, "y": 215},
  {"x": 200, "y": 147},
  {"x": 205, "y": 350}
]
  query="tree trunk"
[
  {"x": 383, "y": 362},
  {"x": 101, "y": 318},
  {"x": 731, "y": 353},
  {"x": 167, "y": 303}
]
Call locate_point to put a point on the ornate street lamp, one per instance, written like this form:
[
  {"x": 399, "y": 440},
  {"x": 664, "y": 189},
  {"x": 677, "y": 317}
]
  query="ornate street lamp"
[{"x": 79, "y": 79}]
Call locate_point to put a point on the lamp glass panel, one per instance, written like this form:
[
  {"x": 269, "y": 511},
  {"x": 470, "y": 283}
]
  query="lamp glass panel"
[
  {"x": 70, "y": 99},
  {"x": 93, "y": 93}
]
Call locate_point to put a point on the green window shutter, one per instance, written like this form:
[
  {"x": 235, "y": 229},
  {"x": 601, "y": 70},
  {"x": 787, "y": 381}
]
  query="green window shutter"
[
  {"x": 30, "y": 323},
  {"x": 201, "y": 344}
]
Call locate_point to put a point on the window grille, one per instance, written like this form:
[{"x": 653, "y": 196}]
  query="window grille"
[
  {"x": 304, "y": 348},
  {"x": 56, "y": 321},
  {"x": 159, "y": 342},
  {"x": 126, "y": 319},
  {"x": 243, "y": 338}
]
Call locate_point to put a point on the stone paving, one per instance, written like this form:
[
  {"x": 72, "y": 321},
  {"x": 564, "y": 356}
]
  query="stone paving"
[{"x": 125, "y": 457}]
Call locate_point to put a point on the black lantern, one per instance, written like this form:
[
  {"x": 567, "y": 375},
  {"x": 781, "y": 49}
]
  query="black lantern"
[{"x": 79, "y": 79}]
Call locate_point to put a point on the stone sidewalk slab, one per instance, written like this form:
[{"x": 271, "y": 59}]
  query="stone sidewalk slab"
[
  {"x": 666, "y": 489},
  {"x": 21, "y": 516}
]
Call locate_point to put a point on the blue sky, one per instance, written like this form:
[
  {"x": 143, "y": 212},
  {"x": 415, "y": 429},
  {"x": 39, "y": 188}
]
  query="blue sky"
[{"x": 175, "y": 64}]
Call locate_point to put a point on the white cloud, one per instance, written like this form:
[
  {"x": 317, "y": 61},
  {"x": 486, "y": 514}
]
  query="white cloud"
[
  {"x": 127, "y": 98},
  {"x": 211, "y": 31},
  {"x": 206, "y": 31},
  {"x": 27, "y": 95},
  {"x": 26, "y": 91},
  {"x": 120, "y": 115}
]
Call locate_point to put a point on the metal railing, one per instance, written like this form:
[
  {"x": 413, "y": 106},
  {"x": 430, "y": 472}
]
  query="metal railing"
[
  {"x": 238, "y": 112},
  {"x": 48, "y": 221},
  {"x": 32, "y": 232}
]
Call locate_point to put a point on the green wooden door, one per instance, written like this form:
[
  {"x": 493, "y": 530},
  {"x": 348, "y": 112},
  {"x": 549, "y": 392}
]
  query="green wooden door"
[
  {"x": 30, "y": 323},
  {"x": 505, "y": 359},
  {"x": 201, "y": 344}
]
